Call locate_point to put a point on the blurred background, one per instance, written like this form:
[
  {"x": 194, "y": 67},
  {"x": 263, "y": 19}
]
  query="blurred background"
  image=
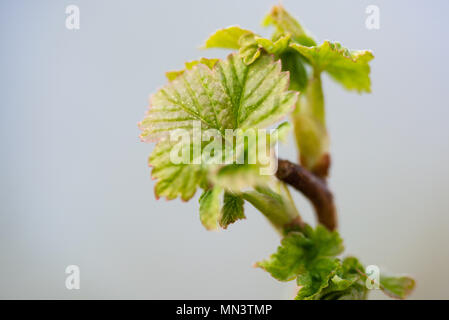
[{"x": 74, "y": 183}]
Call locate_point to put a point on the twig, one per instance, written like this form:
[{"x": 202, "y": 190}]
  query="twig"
[{"x": 313, "y": 187}]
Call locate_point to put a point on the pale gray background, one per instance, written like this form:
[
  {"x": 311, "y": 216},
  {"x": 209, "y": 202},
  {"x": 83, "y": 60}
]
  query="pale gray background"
[{"x": 74, "y": 183}]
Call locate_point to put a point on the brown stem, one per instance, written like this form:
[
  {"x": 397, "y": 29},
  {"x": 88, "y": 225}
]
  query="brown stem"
[{"x": 313, "y": 187}]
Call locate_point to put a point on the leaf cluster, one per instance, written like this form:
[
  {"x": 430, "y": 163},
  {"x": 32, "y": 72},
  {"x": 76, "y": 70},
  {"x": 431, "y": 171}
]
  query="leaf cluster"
[
  {"x": 255, "y": 87},
  {"x": 311, "y": 258}
]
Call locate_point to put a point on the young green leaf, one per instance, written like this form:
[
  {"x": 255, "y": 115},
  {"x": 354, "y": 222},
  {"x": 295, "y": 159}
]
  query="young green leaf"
[
  {"x": 397, "y": 287},
  {"x": 325, "y": 243},
  {"x": 293, "y": 62},
  {"x": 210, "y": 208},
  {"x": 356, "y": 291},
  {"x": 300, "y": 251},
  {"x": 315, "y": 277},
  {"x": 276, "y": 47},
  {"x": 309, "y": 256},
  {"x": 347, "y": 283},
  {"x": 172, "y": 75},
  {"x": 288, "y": 261},
  {"x": 230, "y": 96},
  {"x": 174, "y": 180},
  {"x": 250, "y": 45},
  {"x": 285, "y": 24},
  {"x": 232, "y": 209},
  {"x": 332, "y": 279},
  {"x": 227, "y": 38},
  {"x": 249, "y": 49},
  {"x": 350, "y": 68},
  {"x": 338, "y": 284},
  {"x": 352, "y": 266}
]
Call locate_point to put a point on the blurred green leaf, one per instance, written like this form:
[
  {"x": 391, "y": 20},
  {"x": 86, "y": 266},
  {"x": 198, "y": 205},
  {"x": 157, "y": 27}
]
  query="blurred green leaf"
[
  {"x": 285, "y": 24},
  {"x": 232, "y": 209},
  {"x": 210, "y": 208},
  {"x": 293, "y": 62},
  {"x": 275, "y": 203},
  {"x": 227, "y": 38},
  {"x": 315, "y": 277},
  {"x": 348, "y": 67},
  {"x": 397, "y": 286},
  {"x": 299, "y": 251}
]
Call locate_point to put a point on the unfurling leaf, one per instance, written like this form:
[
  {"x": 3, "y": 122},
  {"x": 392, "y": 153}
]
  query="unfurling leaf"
[
  {"x": 315, "y": 277},
  {"x": 250, "y": 45},
  {"x": 349, "y": 67},
  {"x": 309, "y": 257},
  {"x": 249, "y": 49},
  {"x": 299, "y": 251},
  {"x": 285, "y": 24},
  {"x": 227, "y": 38},
  {"x": 232, "y": 209},
  {"x": 332, "y": 279},
  {"x": 347, "y": 283}
]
